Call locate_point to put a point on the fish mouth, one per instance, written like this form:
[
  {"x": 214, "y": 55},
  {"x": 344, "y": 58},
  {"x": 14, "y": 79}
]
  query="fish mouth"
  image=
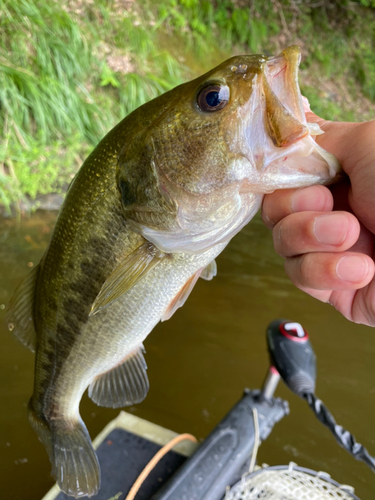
[
  {"x": 276, "y": 139},
  {"x": 285, "y": 118}
]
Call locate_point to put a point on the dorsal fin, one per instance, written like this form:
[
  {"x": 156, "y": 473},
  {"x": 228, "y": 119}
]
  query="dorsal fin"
[
  {"x": 19, "y": 316},
  {"x": 132, "y": 269},
  {"x": 124, "y": 385}
]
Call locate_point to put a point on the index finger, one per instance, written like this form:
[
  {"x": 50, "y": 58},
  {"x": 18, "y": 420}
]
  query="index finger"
[{"x": 284, "y": 202}]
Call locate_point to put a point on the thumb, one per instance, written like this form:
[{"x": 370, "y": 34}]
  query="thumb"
[
  {"x": 352, "y": 144},
  {"x": 335, "y": 137},
  {"x": 311, "y": 117}
]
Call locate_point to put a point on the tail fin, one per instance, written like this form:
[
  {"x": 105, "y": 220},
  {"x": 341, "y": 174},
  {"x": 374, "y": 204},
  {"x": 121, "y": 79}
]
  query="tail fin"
[{"x": 74, "y": 462}]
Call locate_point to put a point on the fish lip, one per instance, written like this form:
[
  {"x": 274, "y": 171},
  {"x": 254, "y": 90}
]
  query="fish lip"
[
  {"x": 285, "y": 117},
  {"x": 286, "y": 64}
]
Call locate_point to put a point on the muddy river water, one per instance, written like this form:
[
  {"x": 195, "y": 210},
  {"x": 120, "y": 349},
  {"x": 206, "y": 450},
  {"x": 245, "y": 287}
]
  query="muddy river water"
[{"x": 200, "y": 361}]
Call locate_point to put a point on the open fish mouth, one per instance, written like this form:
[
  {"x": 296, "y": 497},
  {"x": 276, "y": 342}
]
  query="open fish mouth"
[{"x": 276, "y": 138}]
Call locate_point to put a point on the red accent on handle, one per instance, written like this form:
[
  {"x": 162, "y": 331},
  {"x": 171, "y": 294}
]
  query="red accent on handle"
[{"x": 290, "y": 336}]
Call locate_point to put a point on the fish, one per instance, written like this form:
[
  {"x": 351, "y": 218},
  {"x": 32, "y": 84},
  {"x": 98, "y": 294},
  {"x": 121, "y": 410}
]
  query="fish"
[{"x": 145, "y": 217}]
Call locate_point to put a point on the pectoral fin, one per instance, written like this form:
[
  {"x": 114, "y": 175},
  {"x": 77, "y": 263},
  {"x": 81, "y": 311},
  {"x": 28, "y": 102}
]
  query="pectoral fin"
[
  {"x": 19, "y": 317},
  {"x": 124, "y": 385},
  {"x": 180, "y": 299},
  {"x": 210, "y": 271},
  {"x": 136, "y": 266}
]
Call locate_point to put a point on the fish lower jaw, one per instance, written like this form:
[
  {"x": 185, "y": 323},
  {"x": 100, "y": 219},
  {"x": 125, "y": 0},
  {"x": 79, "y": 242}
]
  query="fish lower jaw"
[{"x": 268, "y": 184}]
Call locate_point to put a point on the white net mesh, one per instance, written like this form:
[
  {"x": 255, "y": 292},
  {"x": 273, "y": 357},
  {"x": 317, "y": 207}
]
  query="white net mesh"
[{"x": 288, "y": 484}]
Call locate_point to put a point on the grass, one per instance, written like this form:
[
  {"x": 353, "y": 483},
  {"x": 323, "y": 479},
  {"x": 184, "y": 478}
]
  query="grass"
[
  {"x": 70, "y": 70},
  {"x": 65, "y": 79}
]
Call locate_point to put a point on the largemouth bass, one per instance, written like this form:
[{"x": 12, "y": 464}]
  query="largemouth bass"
[{"x": 151, "y": 208}]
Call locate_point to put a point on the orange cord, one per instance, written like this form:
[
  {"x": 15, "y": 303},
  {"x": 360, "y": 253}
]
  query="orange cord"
[{"x": 157, "y": 457}]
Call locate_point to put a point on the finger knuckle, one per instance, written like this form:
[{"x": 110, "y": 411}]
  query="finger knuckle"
[{"x": 306, "y": 270}]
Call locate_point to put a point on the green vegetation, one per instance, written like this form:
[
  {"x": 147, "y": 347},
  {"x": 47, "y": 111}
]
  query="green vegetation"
[{"x": 70, "y": 70}]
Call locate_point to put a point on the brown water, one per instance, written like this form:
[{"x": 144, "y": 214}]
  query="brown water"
[{"x": 200, "y": 361}]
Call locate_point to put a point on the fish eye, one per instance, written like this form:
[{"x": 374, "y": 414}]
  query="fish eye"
[{"x": 213, "y": 97}]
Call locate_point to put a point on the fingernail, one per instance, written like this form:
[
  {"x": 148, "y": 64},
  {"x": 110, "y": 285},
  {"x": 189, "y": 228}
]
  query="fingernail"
[
  {"x": 331, "y": 229},
  {"x": 353, "y": 269}
]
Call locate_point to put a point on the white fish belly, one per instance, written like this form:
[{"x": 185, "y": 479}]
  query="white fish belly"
[{"x": 109, "y": 336}]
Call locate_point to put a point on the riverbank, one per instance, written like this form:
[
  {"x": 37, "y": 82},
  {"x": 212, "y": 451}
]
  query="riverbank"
[{"x": 69, "y": 71}]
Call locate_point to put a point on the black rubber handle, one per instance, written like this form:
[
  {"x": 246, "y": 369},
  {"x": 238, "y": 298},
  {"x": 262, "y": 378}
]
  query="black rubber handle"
[{"x": 292, "y": 355}]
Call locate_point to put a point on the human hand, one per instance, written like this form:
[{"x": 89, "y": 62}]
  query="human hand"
[{"x": 326, "y": 235}]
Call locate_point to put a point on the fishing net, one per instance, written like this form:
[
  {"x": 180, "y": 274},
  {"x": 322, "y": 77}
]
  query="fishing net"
[{"x": 289, "y": 483}]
